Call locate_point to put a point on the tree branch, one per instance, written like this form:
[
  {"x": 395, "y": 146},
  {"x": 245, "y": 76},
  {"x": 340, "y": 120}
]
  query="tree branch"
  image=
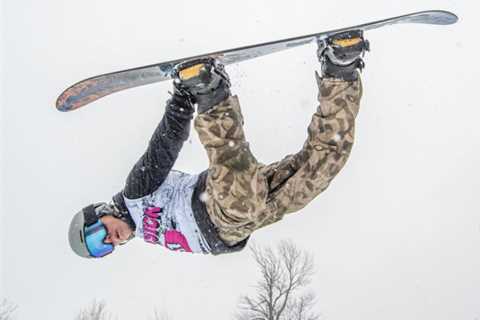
[{"x": 283, "y": 274}]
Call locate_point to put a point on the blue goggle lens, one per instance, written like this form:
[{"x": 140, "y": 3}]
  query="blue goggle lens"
[{"x": 94, "y": 239}]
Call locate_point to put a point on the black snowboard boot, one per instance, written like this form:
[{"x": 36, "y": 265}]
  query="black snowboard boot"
[
  {"x": 341, "y": 55},
  {"x": 204, "y": 81}
]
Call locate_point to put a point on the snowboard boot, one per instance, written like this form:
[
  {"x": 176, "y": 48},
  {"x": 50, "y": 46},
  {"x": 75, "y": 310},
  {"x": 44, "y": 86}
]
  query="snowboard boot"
[
  {"x": 341, "y": 55},
  {"x": 203, "y": 80}
]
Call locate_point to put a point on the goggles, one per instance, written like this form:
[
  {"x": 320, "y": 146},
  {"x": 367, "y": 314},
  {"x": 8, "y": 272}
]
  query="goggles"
[
  {"x": 94, "y": 240},
  {"x": 95, "y": 233}
]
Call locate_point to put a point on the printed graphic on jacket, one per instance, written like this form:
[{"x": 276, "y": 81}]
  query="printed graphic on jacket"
[
  {"x": 166, "y": 217},
  {"x": 159, "y": 228}
]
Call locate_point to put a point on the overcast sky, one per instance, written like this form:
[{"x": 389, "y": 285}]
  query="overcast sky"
[{"x": 396, "y": 235}]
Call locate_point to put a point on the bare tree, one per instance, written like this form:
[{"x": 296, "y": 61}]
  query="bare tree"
[
  {"x": 6, "y": 310},
  {"x": 160, "y": 315},
  {"x": 285, "y": 274},
  {"x": 95, "y": 311}
]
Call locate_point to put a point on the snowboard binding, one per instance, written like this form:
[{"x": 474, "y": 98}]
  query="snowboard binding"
[
  {"x": 341, "y": 54},
  {"x": 204, "y": 81}
]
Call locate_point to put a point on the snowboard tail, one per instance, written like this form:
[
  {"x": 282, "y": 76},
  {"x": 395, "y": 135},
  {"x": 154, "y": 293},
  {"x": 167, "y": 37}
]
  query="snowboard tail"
[{"x": 91, "y": 89}]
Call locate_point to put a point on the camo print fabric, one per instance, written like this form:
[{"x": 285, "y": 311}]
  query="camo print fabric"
[{"x": 244, "y": 194}]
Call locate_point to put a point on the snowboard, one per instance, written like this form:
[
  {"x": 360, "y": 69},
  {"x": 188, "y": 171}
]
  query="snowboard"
[{"x": 91, "y": 89}]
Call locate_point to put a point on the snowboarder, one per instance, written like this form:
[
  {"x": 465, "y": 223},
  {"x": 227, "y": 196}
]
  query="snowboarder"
[{"x": 217, "y": 210}]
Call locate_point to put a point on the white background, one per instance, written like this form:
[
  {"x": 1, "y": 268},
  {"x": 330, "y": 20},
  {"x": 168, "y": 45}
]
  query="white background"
[
  {"x": 397, "y": 234},
  {"x": 2, "y": 130}
]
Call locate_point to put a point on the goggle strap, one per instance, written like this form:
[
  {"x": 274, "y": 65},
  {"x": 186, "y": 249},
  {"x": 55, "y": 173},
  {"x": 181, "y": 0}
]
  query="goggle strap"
[{"x": 90, "y": 215}]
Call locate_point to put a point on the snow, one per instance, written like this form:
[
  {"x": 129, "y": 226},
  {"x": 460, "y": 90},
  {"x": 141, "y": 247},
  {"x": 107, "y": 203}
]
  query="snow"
[{"x": 204, "y": 197}]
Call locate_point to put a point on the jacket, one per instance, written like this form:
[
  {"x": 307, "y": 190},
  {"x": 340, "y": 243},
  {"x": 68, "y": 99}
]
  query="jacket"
[{"x": 154, "y": 168}]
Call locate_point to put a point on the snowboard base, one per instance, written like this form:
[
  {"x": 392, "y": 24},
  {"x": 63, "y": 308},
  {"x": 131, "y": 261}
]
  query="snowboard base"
[{"x": 91, "y": 89}]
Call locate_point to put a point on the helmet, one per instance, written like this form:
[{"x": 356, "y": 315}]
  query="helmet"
[{"x": 87, "y": 233}]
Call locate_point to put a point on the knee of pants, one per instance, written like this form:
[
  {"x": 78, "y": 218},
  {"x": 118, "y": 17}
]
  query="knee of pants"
[{"x": 238, "y": 193}]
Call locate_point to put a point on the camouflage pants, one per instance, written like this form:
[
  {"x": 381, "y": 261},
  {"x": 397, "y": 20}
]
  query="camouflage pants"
[{"x": 245, "y": 195}]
